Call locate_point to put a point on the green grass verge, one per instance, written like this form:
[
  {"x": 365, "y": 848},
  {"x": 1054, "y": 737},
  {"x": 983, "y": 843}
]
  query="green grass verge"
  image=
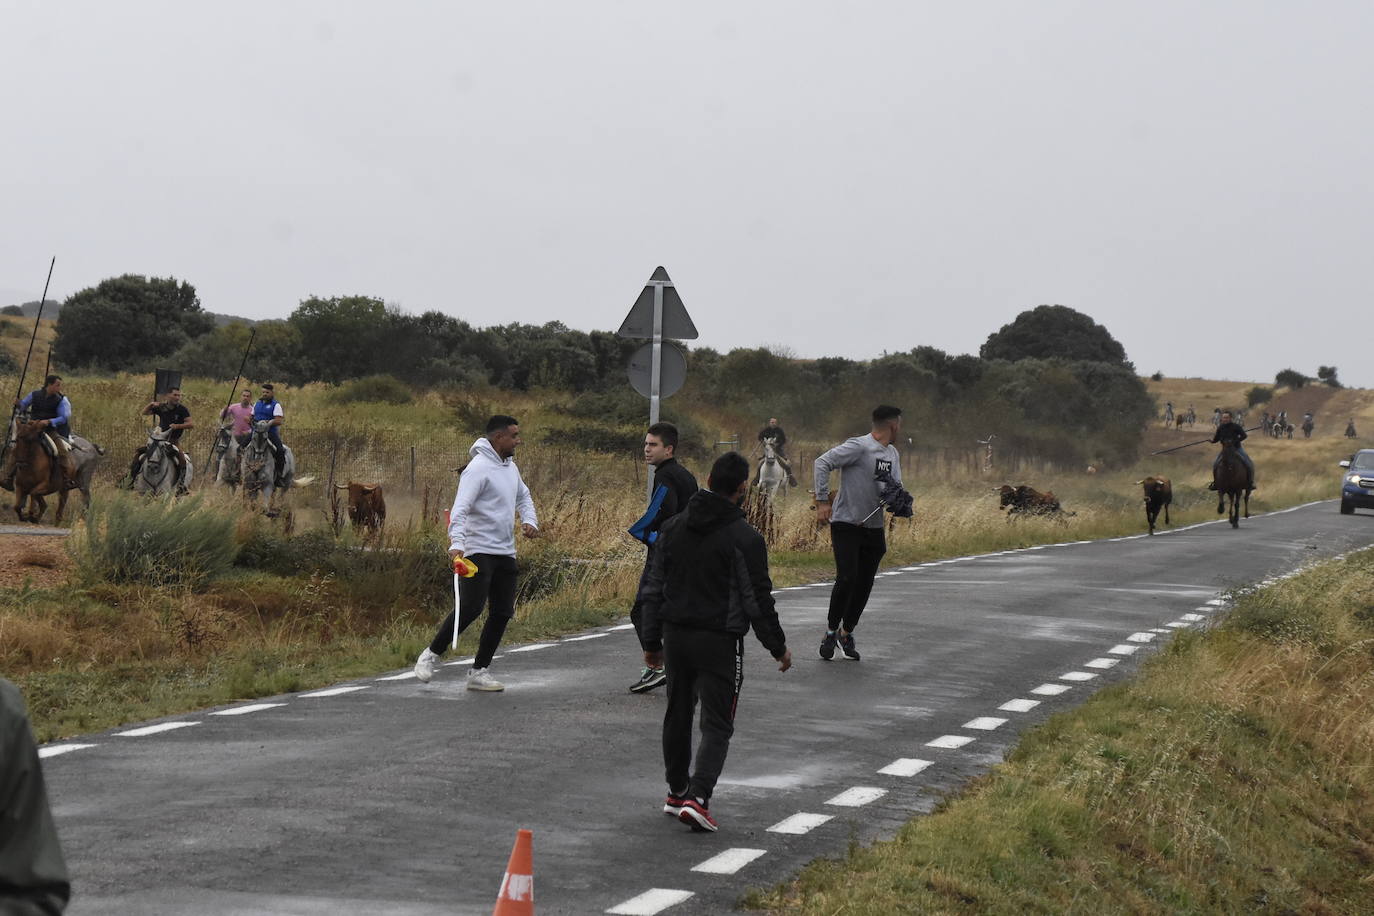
[{"x": 1234, "y": 774}]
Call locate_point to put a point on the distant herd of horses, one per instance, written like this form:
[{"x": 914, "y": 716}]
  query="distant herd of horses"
[{"x": 250, "y": 466}]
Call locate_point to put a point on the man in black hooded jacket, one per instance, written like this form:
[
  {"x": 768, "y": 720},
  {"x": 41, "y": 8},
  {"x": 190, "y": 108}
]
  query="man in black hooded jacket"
[{"x": 707, "y": 586}]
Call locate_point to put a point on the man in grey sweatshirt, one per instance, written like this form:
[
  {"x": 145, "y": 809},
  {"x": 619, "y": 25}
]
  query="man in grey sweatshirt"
[{"x": 856, "y": 522}]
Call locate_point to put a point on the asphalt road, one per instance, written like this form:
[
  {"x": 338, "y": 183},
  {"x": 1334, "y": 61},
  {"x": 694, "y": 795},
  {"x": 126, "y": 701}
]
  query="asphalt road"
[{"x": 402, "y": 798}]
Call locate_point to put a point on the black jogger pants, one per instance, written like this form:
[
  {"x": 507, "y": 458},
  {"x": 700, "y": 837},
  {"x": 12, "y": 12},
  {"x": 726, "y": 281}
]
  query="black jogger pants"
[
  {"x": 858, "y": 551},
  {"x": 494, "y": 583},
  {"x": 705, "y": 666}
]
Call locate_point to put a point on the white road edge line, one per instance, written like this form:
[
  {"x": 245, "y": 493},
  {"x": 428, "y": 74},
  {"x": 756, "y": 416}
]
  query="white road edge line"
[
  {"x": 1019, "y": 705},
  {"x": 56, "y": 750},
  {"x": 652, "y": 901},
  {"x": 729, "y": 861},
  {"x": 154, "y": 729},
  {"x": 950, "y": 741},
  {"x": 984, "y": 723},
  {"x": 857, "y": 796},
  {"x": 905, "y": 766},
  {"x": 243, "y": 710},
  {"x": 336, "y": 691},
  {"x": 799, "y": 823},
  {"x": 1051, "y": 690}
]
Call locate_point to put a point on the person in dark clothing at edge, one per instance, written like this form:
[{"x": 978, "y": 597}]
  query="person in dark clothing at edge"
[
  {"x": 674, "y": 485},
  {"x": 33, "y": 873},
  {"x": 856, "y": 522},
  {"x": 779, "y": 436},
  {"x": 707, "y": 586},
  {"x": 1232, "y": 432}
]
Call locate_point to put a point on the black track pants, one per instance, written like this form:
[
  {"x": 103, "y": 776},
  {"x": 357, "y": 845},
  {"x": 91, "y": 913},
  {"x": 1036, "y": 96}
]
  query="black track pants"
[
  {"x": 858, "y": 551},
  {"x": 494, "y": 582},
  {"x": 637, "y": 611},
  {"x": 705, "y": 666}
]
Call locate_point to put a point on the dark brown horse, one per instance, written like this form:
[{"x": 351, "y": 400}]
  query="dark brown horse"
[
  {"x": 1230, "y": 476},
  {"x": 36, "y": 474}
]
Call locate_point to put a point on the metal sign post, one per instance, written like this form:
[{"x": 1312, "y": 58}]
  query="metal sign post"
[{"x": 658, "y": 312}]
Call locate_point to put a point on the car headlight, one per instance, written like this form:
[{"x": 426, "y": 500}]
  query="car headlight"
[{"x": 1353, "y": 478}]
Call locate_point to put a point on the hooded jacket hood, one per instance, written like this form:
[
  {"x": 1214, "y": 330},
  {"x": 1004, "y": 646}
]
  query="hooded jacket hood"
[
  {"x": 483, "y": 447},
  {"x": 708, "y": 511}
]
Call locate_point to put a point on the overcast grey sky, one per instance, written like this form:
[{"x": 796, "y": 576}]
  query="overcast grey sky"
[{"x": 833, "y": 178}]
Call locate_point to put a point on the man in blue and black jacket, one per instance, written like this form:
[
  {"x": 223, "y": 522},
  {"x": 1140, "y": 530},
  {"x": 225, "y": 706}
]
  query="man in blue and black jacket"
[
  {"x": 707, "y": 586},
  {"x": 674, "y": 485}
]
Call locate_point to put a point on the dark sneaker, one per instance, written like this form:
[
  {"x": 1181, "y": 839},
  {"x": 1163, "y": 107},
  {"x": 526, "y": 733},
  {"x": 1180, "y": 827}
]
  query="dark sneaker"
[
  {"x": 672, "y": 805},
  {"x": 651, "y": 678},
  {"x": 828, "y": 645},
  {"x": 694, "y": 814},
  {"x": 847, "y": 646}
]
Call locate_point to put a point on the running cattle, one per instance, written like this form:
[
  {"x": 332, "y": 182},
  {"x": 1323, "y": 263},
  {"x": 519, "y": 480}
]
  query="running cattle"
[
  {"x": 1159, "y": 494},
  {"x": 1028, "y": 501},
  {"x": 366, "y": 507}
]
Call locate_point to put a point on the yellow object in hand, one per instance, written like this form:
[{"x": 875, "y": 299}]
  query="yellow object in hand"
[{"x": 464, "y": 567}]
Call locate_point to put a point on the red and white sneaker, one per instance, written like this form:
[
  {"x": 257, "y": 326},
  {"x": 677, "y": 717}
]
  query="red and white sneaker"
[
  {"x": 694, "y": 814},
  {"x": 672, "y": 805}
]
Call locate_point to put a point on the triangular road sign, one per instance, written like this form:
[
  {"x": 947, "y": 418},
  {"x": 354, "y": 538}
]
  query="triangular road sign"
[{"x": 677, "y": 324}]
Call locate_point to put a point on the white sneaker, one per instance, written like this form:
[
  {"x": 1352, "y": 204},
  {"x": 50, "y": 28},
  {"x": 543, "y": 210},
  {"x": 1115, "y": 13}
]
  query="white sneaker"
[
  {"x": 481, "y": 679},
  {"x": 424, "y": 666}
]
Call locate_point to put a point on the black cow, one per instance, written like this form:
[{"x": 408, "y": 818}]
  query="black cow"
[{"x": 1159, "y": 493}]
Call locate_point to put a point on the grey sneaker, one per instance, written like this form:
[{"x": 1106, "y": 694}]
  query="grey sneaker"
[
  {"x": 481, "y": 679},
  {"x": 424, "y": 666},
  {"x": 651, "y": 678},
  {"x": 847, "y": 646},
  {"x": 828, "y": 645}
]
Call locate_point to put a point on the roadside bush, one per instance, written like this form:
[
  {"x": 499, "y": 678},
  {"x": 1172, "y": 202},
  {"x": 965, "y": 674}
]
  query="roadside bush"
[
  {"x": 384, "y": 389},
  {"x": 126, "y": 539},
  {"x": 1258, "y": 395}
]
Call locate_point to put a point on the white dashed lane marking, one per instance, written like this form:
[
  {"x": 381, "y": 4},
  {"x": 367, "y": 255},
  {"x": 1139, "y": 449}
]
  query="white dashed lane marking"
[
  {"x": 950, "y": 741},
  {"x": 1216, "y": 602},
  {"x": 984, "y": 723},
  {"x": 1019, "y": 705},
  {"x": 1123, "y": 649},
  {"x": 56, "y": 750},
  {"x": 650, "y": 902},
  {"x": 1178, "y": 624},
  {"x": 1192, "y": 617},
  {"x": 154, "y": 729},
  {"x": 398, "y": 677},
  {"x": 905, "y": 766},
  {"x": 729, "y": 861},
  {"x": 533, "y": 647},
  {"x": 1102, "y": 663},
  {"x": 335, "y": 691},
  {"x": 244, "y": 710},
  {"x": 857, "y": 796},
  {"x": 1077, "y": 676},
  {"x": 1051, "y": 690},
  {"x": 797, "y": 824},
  {"x": 1140, "y": 637},
  {"x": 623, "y": 626},
  {"x": 588, "y": 636}
]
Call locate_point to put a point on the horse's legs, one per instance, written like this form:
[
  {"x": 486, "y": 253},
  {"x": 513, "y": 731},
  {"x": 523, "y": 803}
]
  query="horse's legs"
[
  {"x": 37, "y": 506},
  {"x": 1166, "y": 514},
  {"x": 19, "y": 499},
  {"x": 61, "y": 503},
  {"x": 1247, "y": 503}
]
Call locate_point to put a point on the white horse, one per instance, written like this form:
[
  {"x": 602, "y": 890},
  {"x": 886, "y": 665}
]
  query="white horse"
[
  {"x": 258, "y": 468},
  {"x": 224, "y": 457},
  {"x": 158, "y": 474},
  {"x": 772, "y": 477}
]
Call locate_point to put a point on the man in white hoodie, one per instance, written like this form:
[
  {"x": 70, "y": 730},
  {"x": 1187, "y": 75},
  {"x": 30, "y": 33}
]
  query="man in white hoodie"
[{"x": 482, "y": 528}]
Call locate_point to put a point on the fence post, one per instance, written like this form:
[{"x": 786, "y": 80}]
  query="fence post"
[
  {"x": 412, "y": 470},
  {"x": 333, "y": 491}
]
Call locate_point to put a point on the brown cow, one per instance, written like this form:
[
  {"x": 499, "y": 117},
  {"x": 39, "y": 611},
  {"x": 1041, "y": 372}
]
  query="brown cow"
[
  {"x": 1026, "y": 500},
  {"x": 366, "y": 507},
  {"x": 1159, "y": 493}
]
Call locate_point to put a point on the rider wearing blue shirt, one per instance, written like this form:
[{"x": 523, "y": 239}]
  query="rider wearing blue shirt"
[
  {"x": 49, "y": 407},
  {"x": 269, "y": 408}
]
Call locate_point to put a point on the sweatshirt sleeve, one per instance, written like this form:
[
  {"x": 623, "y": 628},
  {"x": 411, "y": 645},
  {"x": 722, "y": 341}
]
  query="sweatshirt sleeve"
[
  {"x": 524, "y": 504},
  {"x": 763, "y": 612},
  {"x": 836, "y": 458},
  {"x": 469, "y": 485},
  {"x": 33, "y": 873}
]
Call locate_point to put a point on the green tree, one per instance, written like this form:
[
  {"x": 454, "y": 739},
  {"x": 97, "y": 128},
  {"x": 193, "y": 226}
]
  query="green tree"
[
  {"x": 1290, "y": 378},
  {"x": 341, "y": 337},
  {"x": 1053, "y": 331},
  {"x": 1327, "y": 374},
  {"x": 128, "y": 323},
  {"x": 275, "y": 356}
]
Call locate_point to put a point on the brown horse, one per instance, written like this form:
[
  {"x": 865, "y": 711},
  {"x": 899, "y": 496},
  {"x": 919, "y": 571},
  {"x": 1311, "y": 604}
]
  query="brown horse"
[
  {"x": 1230, "y": 477},
  {"x": 36, "y": 474}
]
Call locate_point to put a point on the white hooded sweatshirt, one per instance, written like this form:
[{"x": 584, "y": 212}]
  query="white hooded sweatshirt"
[{"x": 490, "y": 492}]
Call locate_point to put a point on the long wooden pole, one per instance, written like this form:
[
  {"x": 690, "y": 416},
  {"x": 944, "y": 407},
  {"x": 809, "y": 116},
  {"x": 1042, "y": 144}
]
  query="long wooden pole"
[{"x": 18, "y": 394}]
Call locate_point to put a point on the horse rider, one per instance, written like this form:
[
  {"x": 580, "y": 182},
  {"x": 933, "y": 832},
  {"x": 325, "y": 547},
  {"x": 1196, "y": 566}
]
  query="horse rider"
[
  {"x": 173, "y": 418},
  {"x": 775, "y": 432},
  {"x": 269, "y": 408},
  {"x": 48, "y": 407},
  {"x": 1350, "y": 429},
  {"x": 1168, "y": 412},
  {"x": 1216, "y": 417},
  {"x": 1232, "y": 433},
  {"x": 242, "y": 416}
]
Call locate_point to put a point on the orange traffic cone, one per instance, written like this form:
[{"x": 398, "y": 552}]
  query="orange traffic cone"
[{"x": 517, "y": 887}]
